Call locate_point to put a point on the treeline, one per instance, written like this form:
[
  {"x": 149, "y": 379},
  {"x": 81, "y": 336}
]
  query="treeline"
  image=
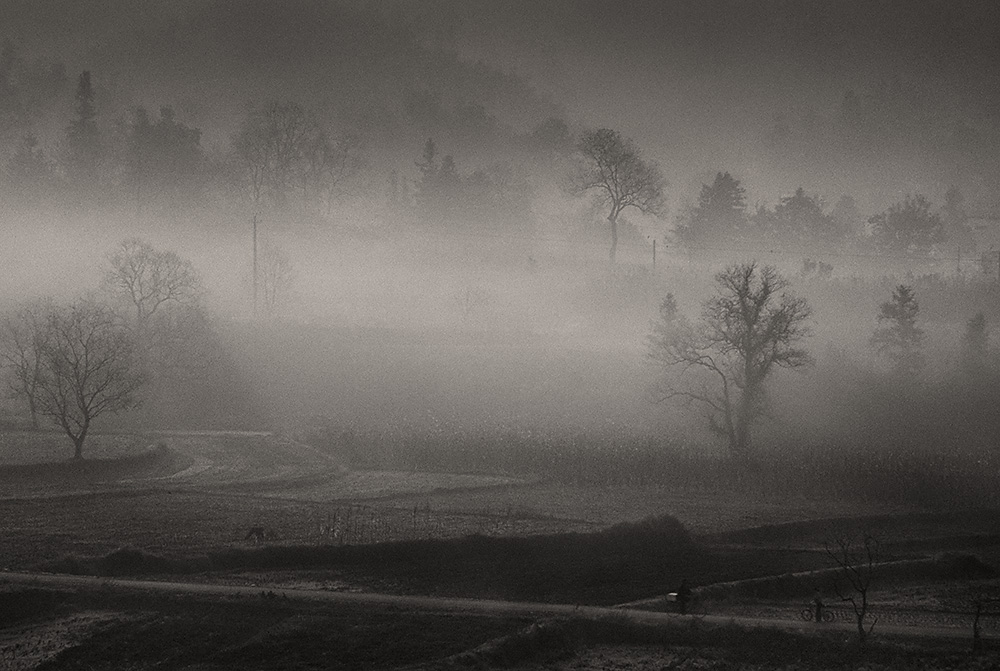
[{"x": 305, "y": 165}]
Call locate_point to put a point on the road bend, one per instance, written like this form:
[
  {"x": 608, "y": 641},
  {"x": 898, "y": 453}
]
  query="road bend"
[{"x": 464, "y": 605}]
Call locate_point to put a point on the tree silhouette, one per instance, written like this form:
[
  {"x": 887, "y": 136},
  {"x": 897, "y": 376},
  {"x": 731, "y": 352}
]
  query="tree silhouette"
[
  {"x": 613, "y": 167},
  {"x": 799, "y": 219},
  {"x": 856, "y": 565},
  {"x": 898, "y": 338},
  {"x": 749, "y": 328},
  {"x": 22, "y": 332},
  {"x": 148, "y": 278},
  {"x": 88, "y": 368},
  {"x": 84, "y": 141},
  {"x": 719, "y": 215},
  {"x": 165, "y": 156},
  {"x": 908, "y": 226}
]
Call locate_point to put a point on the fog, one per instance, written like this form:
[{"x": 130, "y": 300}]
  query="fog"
[{"x": 493, "y": 308}]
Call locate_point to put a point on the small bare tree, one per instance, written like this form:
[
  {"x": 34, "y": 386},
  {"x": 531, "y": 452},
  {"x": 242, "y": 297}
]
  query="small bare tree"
[
  {"x": 613, "y": 167},
  {"x": 148, "y": 279},
  {"x": 856, "y": 563},
  {"x": 331, "y": 164},
  {"x": 21, "y": 338},
  {"x": 87, "y": 368},
  {"x": 749, "y": 328}
]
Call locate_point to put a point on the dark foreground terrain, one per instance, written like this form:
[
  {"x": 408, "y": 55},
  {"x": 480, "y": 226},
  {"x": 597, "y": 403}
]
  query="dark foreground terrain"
[
  {"x": 182, "y": 513},
  {"x": 110, "y": 629}
]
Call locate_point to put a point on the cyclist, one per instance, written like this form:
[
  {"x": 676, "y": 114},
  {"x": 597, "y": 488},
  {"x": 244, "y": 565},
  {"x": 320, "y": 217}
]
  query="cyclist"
[{"x": 818, "y": 605}]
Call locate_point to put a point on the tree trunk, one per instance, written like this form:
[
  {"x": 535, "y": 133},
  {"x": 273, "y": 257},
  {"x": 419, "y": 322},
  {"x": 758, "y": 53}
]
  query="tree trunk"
[
  {"x": 862, "y": 633},
  {"x": 740, "y": 444},
  {"x": 78, "y": 442},
  {"x": 613, "y": 220}
]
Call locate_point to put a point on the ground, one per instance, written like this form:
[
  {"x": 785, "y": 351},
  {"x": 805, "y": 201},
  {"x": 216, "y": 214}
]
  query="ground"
[{"x": 190, "y": 495}]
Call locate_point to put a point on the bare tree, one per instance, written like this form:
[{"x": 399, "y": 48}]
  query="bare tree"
[
  {"x": 856, "y": 563},
  {"x": 612, "y": 166},
  {"x": 277, "y": 279},
  {"x": 330, "y": 166},
  {"x": 750, "y": 327},
  {"x": 88, "y": 368},
  {"x": 148, "y": 279},
  {"x": 21, "y": 339},
  {"x": 282, "y": 150},
  {"x": 270, "y": 146}
]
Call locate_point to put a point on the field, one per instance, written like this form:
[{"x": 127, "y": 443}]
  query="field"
[{"x": 186, "y": 503}]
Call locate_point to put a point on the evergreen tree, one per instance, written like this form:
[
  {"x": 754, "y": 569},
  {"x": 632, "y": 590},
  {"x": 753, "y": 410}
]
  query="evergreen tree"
[
  {"x": 719, "y": 216},
  {"x": 166, "y": 157},
  {"x": 84, "y": 141},
  {"x": 799, "y": 219},
  {"x": 898, "y": 338}
]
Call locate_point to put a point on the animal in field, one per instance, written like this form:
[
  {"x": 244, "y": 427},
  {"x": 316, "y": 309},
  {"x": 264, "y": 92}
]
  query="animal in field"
[{"x": 257, "y": 534}]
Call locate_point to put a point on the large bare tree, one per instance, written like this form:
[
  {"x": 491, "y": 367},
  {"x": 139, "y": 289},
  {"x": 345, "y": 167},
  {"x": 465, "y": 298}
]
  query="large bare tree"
[
  {"x": 749, "y": 328},
  {"x": 612, "y": 167},
  {"x": 87, "y": 368}
]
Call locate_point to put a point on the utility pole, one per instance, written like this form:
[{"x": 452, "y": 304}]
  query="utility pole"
[{"x": 254, "y": 220}]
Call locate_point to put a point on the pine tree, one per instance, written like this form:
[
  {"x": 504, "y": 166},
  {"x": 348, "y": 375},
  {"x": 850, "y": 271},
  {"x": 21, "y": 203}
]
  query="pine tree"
[
  {"x": 898, "y": 338},
  {"x": 84, "y": 142},
  {"x": 720, "y": 214}
]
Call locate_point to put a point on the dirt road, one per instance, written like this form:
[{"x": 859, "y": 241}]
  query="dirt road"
[{"x": 426, "y": 603}]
